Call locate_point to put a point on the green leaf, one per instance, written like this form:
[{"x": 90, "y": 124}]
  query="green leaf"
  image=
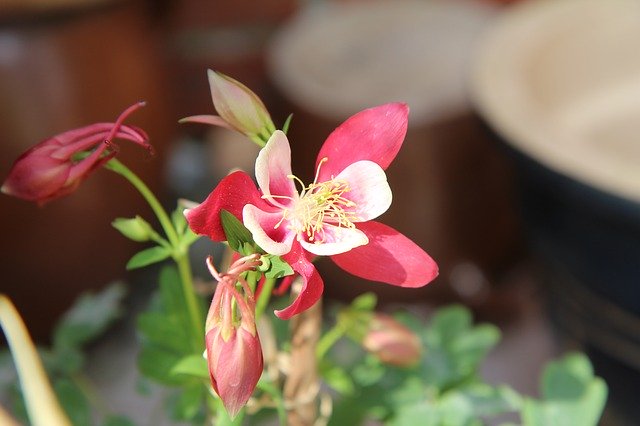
[
  {"x": 164, "y": 331},
  {"x": 368, "y": 372},
  {"x": 147, "y": 257},
  {"x": 571, "y": 395},
  {"x": 189, "y": 403},
  {"x": 136, "y": 229},
  {"x": 337, "y": 378},
  {"x": 274, "y": 391},
  {"x": 455, "y": 347},
  {"x": 165, "y": 328},
  {"x": 192, "y": 365},
  {"x": 157, "y": 363},
  {"x": 237, "y": 234},
  {"x": 117, "y": 421},
  {"x": 90, "y": 315},
  {"x": 278, "y": 268},
  {"x": 73, "y": 401}
]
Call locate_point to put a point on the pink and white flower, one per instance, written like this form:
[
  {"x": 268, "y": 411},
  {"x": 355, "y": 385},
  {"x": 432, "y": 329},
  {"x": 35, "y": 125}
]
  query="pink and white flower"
[{"x": 333, "y": 215}]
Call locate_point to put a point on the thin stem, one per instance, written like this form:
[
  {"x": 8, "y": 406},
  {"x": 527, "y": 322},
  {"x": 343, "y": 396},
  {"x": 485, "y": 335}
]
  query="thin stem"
[
  {"x": 116, "y": 166},
  {"x": 265, "y": 296},
  {"x": 329, "y": 339},
  {"x": 180, "y": 254},
  {"x": 194, "y": 308}
]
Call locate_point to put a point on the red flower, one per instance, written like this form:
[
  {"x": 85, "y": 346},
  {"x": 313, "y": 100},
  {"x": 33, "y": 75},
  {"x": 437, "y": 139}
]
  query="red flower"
[
  {"x": 367, "y": 143},
  {"x": 51, "y": 169}
]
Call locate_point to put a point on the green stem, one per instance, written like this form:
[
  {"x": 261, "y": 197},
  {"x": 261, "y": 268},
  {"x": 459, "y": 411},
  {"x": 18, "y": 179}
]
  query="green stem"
[
  {"x": 329, "y": 339},
  {"x": 265, "y": 295},
  {"x": 116, "y": 166},
  {"x": 194, "y": 308},
  {"x": 179, "y": 253}
]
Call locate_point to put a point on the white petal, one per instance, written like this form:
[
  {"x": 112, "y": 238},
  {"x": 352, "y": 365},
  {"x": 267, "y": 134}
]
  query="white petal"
[
  {"x": 266, "y": 233},
  {"x": 273, "y": 168},
  {"x": 335, "y": 240},
  {"x": 368, "y": 189}
]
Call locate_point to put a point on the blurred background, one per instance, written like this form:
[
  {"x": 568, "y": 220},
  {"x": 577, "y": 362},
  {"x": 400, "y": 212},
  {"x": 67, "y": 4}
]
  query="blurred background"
[{"x": 519, "y": 174}]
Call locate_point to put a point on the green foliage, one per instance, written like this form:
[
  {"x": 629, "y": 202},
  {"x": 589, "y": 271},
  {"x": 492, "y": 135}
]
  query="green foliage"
[
  {"x": 571, "y": 395},
  {"x": 444, "y": 389},
  {"x": 90, "y": 316},
  {"x": 171, "y": 354},
  {"x": 192, "y": 365},
  {"x": 117, "y": 421},
  {"x": 455, "y": 347},
  {"x": 166, "y": 332},
  {"x": 148, "y": 257}
]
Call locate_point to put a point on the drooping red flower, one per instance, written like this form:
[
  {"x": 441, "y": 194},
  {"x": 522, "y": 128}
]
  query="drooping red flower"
[
  {"x": 52, "y": 168},
  {"x": 234, "y": 353},
  {"x": 332, "y": 216}
]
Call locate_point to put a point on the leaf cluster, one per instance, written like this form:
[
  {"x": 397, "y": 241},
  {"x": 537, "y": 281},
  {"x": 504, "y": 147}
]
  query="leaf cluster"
[{"x": 446, "y": 388}]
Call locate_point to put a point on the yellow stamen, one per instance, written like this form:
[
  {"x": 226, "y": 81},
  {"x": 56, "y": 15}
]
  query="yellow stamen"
[{"x": 319, "y": 203}]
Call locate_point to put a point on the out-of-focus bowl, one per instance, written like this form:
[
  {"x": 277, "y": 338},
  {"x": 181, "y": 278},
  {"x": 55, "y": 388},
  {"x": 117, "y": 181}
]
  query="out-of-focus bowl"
[{"x": 559, "y": 82}]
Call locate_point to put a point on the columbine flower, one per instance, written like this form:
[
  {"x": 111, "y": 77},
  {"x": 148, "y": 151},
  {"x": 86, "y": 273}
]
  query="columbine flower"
[
  {"x": 51, "y": 169},
  {"x": 392, "y": 342},
  {"x": 239, "y": 108},
  {"x": 332, "y": 215},
  {"x": 234, "y": 354}
]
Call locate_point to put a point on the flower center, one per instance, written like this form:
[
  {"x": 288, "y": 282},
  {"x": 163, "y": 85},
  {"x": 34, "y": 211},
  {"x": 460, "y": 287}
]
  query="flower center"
[{"x": 317, "y": 204}]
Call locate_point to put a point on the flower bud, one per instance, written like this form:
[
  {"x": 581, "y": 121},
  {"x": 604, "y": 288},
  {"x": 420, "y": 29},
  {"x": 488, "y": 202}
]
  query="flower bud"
[
  {"x": 52, "y": 169},
  {"x": 392, "y": 342},
  {"x": 235, "y": 365},
  {"x": 238, "y": 107},
  {"x": 136, "y": 229},
  {"x": 234, "y": 353}
]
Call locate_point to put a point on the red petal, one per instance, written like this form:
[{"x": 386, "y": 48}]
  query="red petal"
[
  {"x": 375, "y": 134},
  {"x": 232, "y": 194},
  {"x": 390, "y": 257},
  {"x": 312, "y": 286}
]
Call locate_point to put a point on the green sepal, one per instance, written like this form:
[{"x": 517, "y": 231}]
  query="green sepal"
[
  {"x": 278, "y": 268},
  {"x": 287, "y": 122},
  {"x": 238, "y": 236},
  {"x": 148, "y": 256},
  {"x": 178, "y": 219}
]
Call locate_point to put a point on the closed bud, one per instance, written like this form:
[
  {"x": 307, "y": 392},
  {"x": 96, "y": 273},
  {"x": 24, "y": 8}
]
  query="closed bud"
[
  {"x": 136, "y": 229},
  {"x": 392, "y": 342},
  {"x": 234, "y": 353},
  {"x": 238, "y": 107}
]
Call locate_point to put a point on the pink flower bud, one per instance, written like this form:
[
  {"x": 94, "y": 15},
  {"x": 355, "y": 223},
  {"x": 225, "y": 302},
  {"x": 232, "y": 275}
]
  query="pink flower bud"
[
  {"x": 51, "y": 169},
  {"x": 234, "y": 354},
  {"x": 392, "y": 342},
  {"x": 238, "y": 107}
]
